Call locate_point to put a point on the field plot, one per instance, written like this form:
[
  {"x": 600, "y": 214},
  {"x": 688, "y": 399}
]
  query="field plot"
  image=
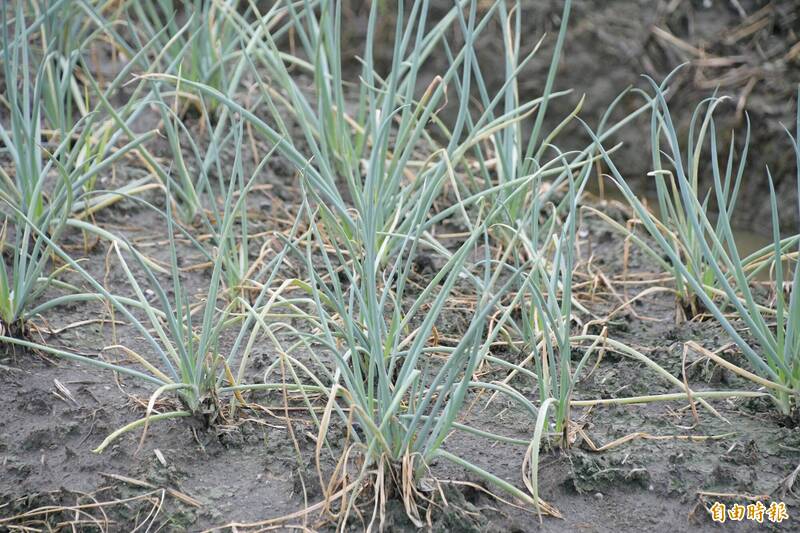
[{"x": 394, "y": 266}]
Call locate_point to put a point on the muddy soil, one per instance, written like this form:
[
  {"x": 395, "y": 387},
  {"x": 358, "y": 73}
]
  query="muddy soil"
[
  {"x": 746, "y": 50},
  {"x": 261, "y": 465}
]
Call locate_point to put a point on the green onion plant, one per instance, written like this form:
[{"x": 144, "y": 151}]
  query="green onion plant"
[
  {"x": 771, "y": 346},
  {"x": 370, "y": 176},
  {"x": 181, "y": 352},
  {"x": 696, "y": 163},
  {"x": 199, "y": 50},
  {"x": 44, "y": 187}
]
